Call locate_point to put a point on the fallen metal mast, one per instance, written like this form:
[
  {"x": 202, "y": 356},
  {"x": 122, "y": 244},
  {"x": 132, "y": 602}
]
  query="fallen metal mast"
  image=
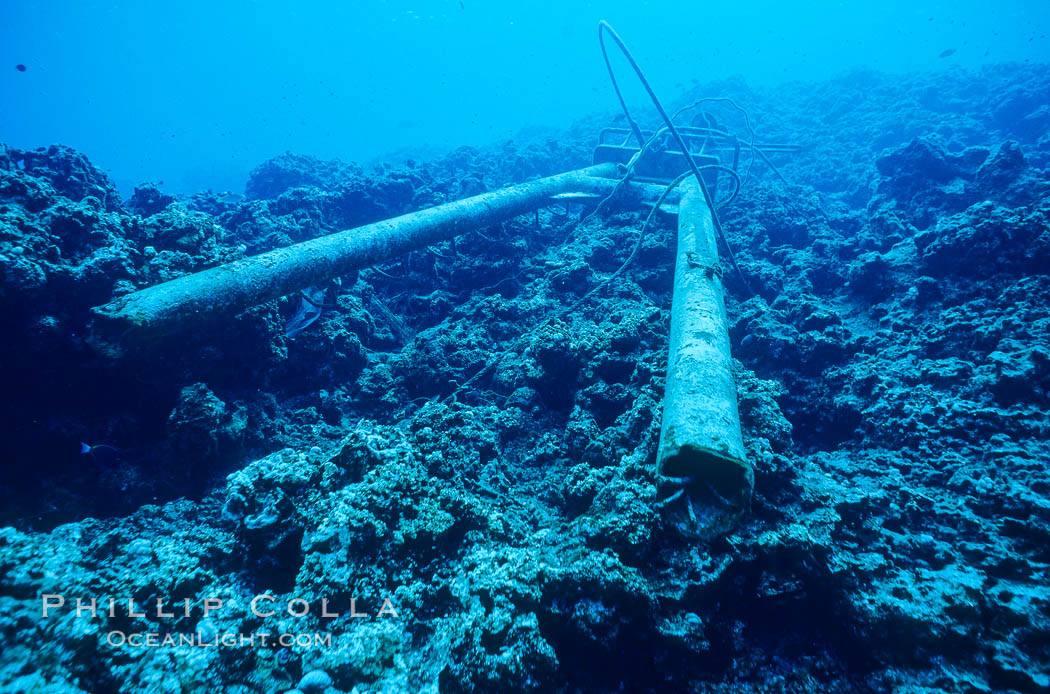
[
  {"x": 701, "y": 444},
  {"x": 701, "y": 451},
  {"x": 229, "y": 289}
]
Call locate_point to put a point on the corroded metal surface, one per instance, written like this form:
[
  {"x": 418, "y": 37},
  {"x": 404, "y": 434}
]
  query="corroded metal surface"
[
  {"x": 700, "y": 435},
  {"x": 187, "y": 301}
]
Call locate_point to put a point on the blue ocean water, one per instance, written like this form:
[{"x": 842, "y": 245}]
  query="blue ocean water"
[{"x": 196, "y": 93}]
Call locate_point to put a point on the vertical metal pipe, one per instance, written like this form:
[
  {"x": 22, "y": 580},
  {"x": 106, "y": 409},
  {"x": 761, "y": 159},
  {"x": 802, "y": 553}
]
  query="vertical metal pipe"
[{"x": 700, "y": 435}]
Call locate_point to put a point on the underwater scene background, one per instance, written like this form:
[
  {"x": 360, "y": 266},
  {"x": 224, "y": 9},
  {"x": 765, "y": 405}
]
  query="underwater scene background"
[{"x": 455, "y": 451}]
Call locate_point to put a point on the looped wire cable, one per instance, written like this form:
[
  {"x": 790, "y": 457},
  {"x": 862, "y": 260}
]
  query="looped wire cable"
[{"x": 604, "y": 26}]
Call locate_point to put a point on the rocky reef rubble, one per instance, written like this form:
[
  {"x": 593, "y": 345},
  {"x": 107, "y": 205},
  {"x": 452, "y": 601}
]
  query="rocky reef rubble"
[{"x": 457, "y": 441}]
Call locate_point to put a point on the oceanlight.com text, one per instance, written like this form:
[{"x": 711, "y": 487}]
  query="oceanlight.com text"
[{"x": 260, "y": 639}]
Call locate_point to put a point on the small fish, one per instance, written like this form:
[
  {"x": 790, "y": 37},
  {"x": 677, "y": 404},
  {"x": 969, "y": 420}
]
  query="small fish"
[
  {"x": 101, "y": 453},
  {"x": 947, "y": 52},
  {"x": 20, "y": 67},
  {"x": 311, "y": 304}
]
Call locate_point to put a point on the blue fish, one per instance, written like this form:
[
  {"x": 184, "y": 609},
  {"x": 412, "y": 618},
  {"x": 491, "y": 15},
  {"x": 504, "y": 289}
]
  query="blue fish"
[
  {"x": 310, "y": 306},
  {"x": 101, "y": 453}
]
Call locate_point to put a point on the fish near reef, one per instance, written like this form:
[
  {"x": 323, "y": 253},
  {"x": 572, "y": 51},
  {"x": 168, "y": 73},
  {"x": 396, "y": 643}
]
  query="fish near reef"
[
  {"x": 101, "y": 453},
  {"x": 310, "y": 306}
]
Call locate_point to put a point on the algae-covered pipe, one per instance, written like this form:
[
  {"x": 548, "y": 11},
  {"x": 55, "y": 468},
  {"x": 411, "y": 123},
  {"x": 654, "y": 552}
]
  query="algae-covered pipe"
[
  {"x": 229, "y": 289},
  {"x": 700, "y": 437}
]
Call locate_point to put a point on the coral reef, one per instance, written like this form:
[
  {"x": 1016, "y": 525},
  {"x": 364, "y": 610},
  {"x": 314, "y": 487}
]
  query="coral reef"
[{"x": 449, "y": 442}]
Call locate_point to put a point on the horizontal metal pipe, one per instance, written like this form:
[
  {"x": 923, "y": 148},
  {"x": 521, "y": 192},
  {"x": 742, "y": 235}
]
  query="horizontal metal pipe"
[{"x": 237, "y": 286}]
